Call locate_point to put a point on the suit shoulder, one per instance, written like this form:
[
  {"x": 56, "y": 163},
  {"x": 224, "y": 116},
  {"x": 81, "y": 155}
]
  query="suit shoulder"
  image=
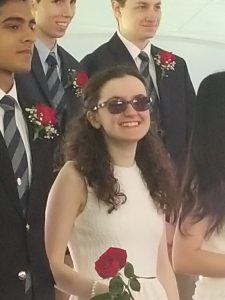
[
  {"x": 213, "y": 82},
  {"x": 97, "y": 60},
  {"x": 97, "y": 52}
]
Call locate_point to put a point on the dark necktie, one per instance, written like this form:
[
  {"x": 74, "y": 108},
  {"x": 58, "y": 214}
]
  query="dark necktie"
[
  {"x": 54, "y": 83},
  {"x": 16, "y": 150},
  {"x": 18, "y": 158},
  {"x": 144, "y": 70}
]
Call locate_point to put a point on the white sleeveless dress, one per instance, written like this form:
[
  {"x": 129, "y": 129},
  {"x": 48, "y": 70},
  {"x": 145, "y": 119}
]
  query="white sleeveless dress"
[
  {"x": 208, "y": 288},
  {"x": 136, "y": 227}
]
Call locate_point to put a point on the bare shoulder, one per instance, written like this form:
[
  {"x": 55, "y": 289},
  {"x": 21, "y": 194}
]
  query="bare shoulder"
[
  {"x": 69, "y": 188},
  {"x": 69, "y": 174}
]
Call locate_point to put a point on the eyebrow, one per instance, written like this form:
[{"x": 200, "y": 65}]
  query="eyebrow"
[
  {"x": 146, "y": 3},
  {"x": 17, "y": 19}
]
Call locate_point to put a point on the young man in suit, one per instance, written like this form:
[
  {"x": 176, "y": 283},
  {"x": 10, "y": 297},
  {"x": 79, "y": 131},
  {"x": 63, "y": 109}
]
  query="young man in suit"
[
  {"x": 40, "y": 85},
  {"x": 25, "y": 177},
  {"x": 174, "y": 94},
  {"x": 44, "y": 84}
]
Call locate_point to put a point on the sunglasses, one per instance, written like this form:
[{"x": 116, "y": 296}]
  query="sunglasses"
[{"x": 118, "y": 105}]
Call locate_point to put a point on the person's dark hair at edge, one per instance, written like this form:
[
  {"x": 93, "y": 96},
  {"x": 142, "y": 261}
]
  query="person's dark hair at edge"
[
  {"x": 3, "y": 2},
  {"x": 85, "y": 146},
  {"x": 203, "y": 188}
]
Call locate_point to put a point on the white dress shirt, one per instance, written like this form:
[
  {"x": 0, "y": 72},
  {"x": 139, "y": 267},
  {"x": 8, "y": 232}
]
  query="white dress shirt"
[
  {"x": 43, "y": 52},
  {"x": 20, "y": 122},
  {"x": 135, "y": 51}
]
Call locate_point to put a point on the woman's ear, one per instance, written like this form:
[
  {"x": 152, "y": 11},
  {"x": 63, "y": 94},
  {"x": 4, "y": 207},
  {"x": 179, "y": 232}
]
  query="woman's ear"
[{"x": 92, "y": 118}]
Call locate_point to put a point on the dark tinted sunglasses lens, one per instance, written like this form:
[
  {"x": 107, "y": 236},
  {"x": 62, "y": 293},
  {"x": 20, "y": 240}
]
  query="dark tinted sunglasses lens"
[
  {"x": 141, "y": 104},
  {"x": 117, "y": 106}
]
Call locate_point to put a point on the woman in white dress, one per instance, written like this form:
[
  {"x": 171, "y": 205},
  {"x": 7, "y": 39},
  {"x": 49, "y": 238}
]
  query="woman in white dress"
[
  {"x": 199, "y": 244},
  {"x": 112, "y": 192}
]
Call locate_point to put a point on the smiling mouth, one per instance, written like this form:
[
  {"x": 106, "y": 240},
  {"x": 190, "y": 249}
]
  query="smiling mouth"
[
  {"x": 130, "y": 124},
  {"x": 63, "y": 24}
]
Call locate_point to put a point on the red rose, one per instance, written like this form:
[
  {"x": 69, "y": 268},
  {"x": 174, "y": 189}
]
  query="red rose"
[
  {"x": 166, "y": 57},
  {"x": 110, "y": 262},
  {"x": 81, "y": 79},
  {"x": 46, "y": 114}
]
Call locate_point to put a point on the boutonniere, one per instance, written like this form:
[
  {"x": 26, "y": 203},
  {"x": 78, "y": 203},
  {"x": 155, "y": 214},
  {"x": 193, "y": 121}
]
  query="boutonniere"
[
  {"x": 166, "y": 61},
  {"x": 44, "y": 121},
  {"x": 77, "y": 80}
]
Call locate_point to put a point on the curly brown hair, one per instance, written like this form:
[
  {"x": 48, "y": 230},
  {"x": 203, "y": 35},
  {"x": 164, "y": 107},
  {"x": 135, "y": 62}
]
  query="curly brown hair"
[{"x": 85, "y": 145}]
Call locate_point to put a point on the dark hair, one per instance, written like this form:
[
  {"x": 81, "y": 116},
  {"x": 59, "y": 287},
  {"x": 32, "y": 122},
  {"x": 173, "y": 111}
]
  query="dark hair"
[
  {"x": 121, "y": 2},
  {"x": 3, "y": 2},
  {"x": 204, "y": 183},
  {"x": 86, "y": 146}
]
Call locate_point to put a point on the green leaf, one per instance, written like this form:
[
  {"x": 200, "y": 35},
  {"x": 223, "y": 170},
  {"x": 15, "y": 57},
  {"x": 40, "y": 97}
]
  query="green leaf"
[
  {"x": 129, "y": 270},
  {"x": 135, "y": 284},
  {"x": 105, "y": 296},
  {"x": 116, "y": 286},
  {"x": 124, "y": 296}
]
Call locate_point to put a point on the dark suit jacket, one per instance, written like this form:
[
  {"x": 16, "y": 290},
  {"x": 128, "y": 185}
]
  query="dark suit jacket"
[
  {"x": 22, "y": 240},
  {"x": 33, "y": 86},
  {"x": 177, "y": 95},
  {"x": 22, "y": 250}
]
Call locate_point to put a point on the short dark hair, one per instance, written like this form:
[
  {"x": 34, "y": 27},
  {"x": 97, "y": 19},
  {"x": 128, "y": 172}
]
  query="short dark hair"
[
  {"x": 3, "y": 2},
  {"x": 121, "y": 2}
]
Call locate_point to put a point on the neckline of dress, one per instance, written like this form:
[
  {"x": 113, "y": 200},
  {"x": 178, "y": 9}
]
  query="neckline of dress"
[{"x": 134, "y": 166}]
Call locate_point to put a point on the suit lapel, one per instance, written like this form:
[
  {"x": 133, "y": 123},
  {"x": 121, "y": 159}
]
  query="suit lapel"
[
  {"x": 39, "y": 75},
  {"x": 71, "y": 102},
  {"x": 34, "y": 151},
  {"x": 7, "y": 178},
  {"x": 64, "y": 66},
  {"x": 159, "y": 79},
  {"x": 120, "y": 52}
]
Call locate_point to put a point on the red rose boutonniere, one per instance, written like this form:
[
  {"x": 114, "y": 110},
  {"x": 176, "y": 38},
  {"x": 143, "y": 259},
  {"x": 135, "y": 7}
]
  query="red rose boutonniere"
[
  {"x": 44, "y": 121},
  {"x": 166, "y": 61},
  {"x": 77, "y": 80},
  {"x": 109, "y": 265}
]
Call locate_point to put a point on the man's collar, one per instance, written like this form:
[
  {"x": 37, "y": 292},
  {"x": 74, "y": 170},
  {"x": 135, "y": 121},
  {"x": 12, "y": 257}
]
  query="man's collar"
[
  {"x": 44, "y": 51},
  {"x": 132, "y": 48},
  {"x": 11, "y": 93}
]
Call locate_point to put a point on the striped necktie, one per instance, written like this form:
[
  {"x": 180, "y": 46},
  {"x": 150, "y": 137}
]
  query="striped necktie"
[
  {"x": 144, "y": 70},
  {"x": 18, "y": 156},
  {"x": 16, "y": 150},
  {"x": 54, "y": 83}
]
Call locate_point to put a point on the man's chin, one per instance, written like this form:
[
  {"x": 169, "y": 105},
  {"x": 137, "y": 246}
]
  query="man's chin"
[
  {"x": 149, "y": 35},
  {"x": 23, "y": 69}
]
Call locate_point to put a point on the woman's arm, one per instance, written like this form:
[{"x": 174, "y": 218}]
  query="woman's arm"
[
  {"x": 165, "y": 272},
  {"x": 189, "y": 258},
  {"x": 66, "y": 200}
]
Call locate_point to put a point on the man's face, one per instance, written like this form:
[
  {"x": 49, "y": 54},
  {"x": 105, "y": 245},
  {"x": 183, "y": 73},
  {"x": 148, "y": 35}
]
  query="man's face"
[
  {"x": 53, "y": 17},
  {"x": 138, "y": 19},
  {"x": 17, "y": 36}
]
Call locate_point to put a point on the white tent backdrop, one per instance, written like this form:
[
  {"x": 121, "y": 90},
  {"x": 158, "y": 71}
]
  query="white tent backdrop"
[{"x": 193, "y": 29}]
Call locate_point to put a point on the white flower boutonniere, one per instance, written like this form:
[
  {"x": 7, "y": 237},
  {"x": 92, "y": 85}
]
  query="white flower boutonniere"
[
  {"x": 77, "y": 80},
  {"x": 44, "y": 121}
]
